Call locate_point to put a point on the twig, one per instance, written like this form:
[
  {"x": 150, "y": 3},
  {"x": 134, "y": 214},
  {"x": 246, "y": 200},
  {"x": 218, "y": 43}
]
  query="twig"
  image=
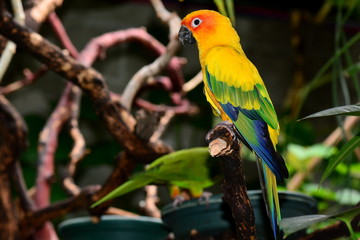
[
  {"x": 79, "y": 148},
  {"x": 46, "y": 160},
  {"x": 121, "y": 212},
  {"x": 185, "y": 108},
  {"x": 66, "y": 111},
  {"x": 13, "y": 131},
  {"x": 29, "y": 78},
  {"x": 151, "y": 199},
  {"x": 60, "y": 31},
  {"x": 10, "y": 47},
  {"x": 163, "y": 123},
  {"x": 36, "y": 219},
  {"x": 332, "y": 140},
  {"x": 193, "y": 83},
  {"x": 47, "y": 146},
  {"x": 40, "y": 12},
  {"x": 137, "y": 81},
  {"x": 6, "y": 57},
  {"x": 19, "y": 182},
  {"x": 224, "y": 143}
]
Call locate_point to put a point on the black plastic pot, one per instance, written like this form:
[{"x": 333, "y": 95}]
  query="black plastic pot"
[
  {"x": 113, "y": 227},
  {"x": 214, "y": 218}
]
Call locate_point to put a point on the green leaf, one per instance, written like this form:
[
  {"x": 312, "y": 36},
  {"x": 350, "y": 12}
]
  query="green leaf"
[
  {"x": 346, "y": 217},
  {"x": 353, "y": 110},
  {"x": 231, "y": 11},
  {"x": 221, "y": 6},
  {"x": 294, "y": 224},
  {"x": 226, "y": 8},
  {"x": 340, "y": 156},
  {"x": 185, "y": 168}
]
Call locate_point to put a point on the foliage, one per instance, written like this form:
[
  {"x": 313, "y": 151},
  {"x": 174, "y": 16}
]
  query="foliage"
[{"x": 294, "y": 224}]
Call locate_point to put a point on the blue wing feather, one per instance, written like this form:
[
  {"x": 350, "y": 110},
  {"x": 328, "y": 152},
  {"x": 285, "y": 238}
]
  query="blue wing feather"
[{"x": 262, "y": 147}]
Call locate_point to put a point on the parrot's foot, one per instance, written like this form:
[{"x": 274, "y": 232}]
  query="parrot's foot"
[
  {"x": 178, "y": 200},
  {"x": 205, "y": 197}
]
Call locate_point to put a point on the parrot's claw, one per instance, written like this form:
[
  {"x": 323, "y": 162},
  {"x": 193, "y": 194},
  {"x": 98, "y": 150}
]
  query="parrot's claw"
[
  {"x": 205, "y": 197},
  {"x": 178, "y": 200}
]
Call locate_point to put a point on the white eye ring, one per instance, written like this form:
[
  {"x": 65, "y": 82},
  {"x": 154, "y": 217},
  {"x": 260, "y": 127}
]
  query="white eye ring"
[{"x": 196, "y": 22}]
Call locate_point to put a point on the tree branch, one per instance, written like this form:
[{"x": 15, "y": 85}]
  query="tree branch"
[
  {"x": 40, "y": 11},
  {"x": 160, "y": 63},
  {"x": 13, "y": 142},
  {"x": 36, "y": 219},
  {"x": 90, "y": 81},
  {"x": 224, "y": 143}
]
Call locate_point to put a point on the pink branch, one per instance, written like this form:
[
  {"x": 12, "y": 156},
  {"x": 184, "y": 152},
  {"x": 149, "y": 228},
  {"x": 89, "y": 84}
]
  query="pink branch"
[
  {"x": 30, "y": 78},
  {"x": 97, "y": 46},
  {"x": 185, "y": 107},
  {"x": 61, "y": 34},
  {"x": 66, "y": 109}
]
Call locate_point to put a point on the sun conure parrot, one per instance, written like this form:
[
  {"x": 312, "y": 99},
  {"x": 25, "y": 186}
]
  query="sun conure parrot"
[
  {"x": 237, "y": 94},
  {"x": 184, "y": 169}
]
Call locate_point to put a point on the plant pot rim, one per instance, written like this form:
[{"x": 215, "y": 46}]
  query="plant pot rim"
[
  {"x": 105, "y": 219},
  {"x": 253, "y": 195}
]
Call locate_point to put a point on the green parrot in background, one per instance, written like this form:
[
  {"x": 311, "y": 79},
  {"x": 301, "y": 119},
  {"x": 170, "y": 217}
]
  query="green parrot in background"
[{"x": 184, "y": 169}]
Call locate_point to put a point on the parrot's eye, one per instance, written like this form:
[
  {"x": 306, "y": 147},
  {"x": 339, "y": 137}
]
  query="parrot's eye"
[{"x": 196, "y": 22}]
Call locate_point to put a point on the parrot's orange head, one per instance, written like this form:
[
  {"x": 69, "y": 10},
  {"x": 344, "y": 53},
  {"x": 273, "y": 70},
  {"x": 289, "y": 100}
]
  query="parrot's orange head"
[{"x": 208, "y": 29}]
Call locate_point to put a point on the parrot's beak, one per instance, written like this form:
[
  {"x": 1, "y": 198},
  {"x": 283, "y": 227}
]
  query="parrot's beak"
[{"x": 185, "y": 35}]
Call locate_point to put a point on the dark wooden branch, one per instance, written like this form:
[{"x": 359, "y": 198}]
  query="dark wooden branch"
[
  {"x": 90, "y": 81},
  {"x": 88, "y": 195},
  {"x": 36, "y": 219},
  {"x": 13, "y": 134},
  {"x": 17, "y": 177},
  {"x": 224, "y": 143},
  {"x": 13, "y": 141},
  {"x": 39, "y": 11},
  {"x": 35, "y": 14}
]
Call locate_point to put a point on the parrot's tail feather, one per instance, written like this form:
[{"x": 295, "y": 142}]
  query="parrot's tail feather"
[{"x": 270, "y": 193}]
